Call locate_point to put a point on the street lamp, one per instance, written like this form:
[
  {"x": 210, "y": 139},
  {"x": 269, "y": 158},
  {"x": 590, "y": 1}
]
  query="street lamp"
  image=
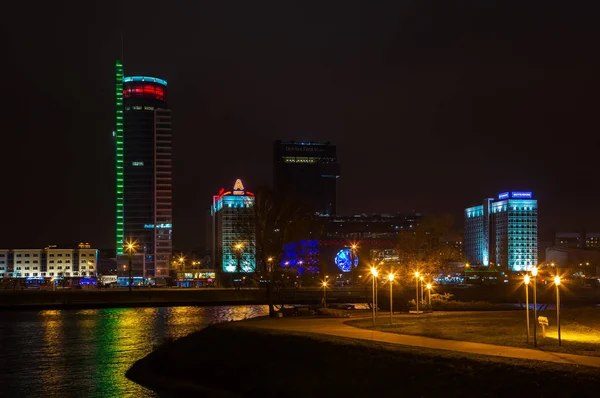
[
  {"x": 352, "y": 258},
  {"x": 557, "y": 283},
  {"x": 467, "y": 265},
  {"x": 429, "y": 294},
  {"x": 526, "y": 280},
  {"x": 534, "y": 272},
  {"x": 374, "y": 273},
  {"x": 181, "y": 260},
  {"x": 238, "y": 254},
  {"x": 417, "y": 290},
  {"x": 391, "y": 279},
  {"x": 130, "y": 247},
  {"x": 324, "y": 294}
]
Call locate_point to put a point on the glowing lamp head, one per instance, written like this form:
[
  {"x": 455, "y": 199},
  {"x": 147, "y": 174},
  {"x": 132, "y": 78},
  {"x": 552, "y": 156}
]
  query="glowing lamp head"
[
  {"x": 526, "y": 279},
  {"x": 467, "y": 265},
  {"x": 557, "y": 280},
  {"x": 534, "y": 271},
  {"x": 421, "y": 278},
  {"x": 270, "y": 259},
  {"x": 353, "y": 247},
  {"x": 417, "y": 273},
  {"x": 324, "y": 284},
  {"x": 374, "y": 272},
  {"x": 238, "y": 246},
  {"x": 391, "y": 277},
  {"x": 429, "y": 286}
]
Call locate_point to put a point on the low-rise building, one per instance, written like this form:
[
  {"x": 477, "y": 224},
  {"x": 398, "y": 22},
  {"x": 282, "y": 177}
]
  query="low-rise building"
[
  {"x": 4, "y": 253},
  {"x": 51, "y": 262},
  {"x": 27, "y": 263}
]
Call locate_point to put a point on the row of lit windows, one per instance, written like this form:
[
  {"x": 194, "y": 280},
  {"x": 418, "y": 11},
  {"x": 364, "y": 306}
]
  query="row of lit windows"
[{"x": 51, "y": 274}]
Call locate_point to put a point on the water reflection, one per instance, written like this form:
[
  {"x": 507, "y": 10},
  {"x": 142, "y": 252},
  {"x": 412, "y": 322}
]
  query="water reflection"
[{"x": 64, "y": 353}]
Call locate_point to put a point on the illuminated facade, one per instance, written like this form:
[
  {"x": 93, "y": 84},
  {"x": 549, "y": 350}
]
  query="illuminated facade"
[
  {"x": 144, "y": 175},
  {"x": 50, "y": 262},
  {"x": 308, "y": 173},
  {"x": 234, "y": 230},
  {"x": 4, "y": 262},
  {"x": 503, "y": 232}
]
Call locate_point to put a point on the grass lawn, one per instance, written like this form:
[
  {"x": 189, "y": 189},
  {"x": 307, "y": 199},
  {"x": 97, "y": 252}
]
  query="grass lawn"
[
  {"x": 580, "y": 328},
  {"x": 231, "y": 360}
]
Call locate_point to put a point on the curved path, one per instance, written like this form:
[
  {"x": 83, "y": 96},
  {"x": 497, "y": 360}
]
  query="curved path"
[{"x": 337, "y": 327}]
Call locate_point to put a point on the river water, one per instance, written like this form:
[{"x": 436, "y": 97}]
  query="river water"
[{"x": 85, "y": 353}]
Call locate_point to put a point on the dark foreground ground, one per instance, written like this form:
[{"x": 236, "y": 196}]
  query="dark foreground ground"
[{"x": 231, "y": 360}]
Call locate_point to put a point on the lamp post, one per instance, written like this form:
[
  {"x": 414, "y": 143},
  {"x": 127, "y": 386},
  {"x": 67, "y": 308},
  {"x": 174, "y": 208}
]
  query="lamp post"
[
  {"x": 352, "y": 257},
  {"x": 467, "y": 265},
  {"x": 534, "y": 271},
  {"x": 181, "y": 261},
  {"x": 526, "y": 280},
  {"x": 417, "y": 290},
  {"x": 429, "y": 294},
  {"x": 324, "y": 294},
  {"x": 130, "y": 246},
  {"x": 557, "y": 283},
  {"x": 391, "y": 278},
  {"x": 238, "y": 255},
  {"x": 374, "y": 273}
]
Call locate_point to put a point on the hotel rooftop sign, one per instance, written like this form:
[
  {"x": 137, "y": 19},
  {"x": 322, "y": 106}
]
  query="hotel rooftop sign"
[{"x": 515, "y": 195}]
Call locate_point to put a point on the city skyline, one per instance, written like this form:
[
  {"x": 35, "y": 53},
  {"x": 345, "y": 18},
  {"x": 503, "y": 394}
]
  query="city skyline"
[{"x": 418, "y": 127}]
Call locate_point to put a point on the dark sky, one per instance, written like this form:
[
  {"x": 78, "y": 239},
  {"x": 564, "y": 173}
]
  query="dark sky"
[{"x": 433, "y": 105}]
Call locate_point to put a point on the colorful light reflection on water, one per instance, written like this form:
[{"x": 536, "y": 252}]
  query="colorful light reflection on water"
[{"x": 62, "y": 353}]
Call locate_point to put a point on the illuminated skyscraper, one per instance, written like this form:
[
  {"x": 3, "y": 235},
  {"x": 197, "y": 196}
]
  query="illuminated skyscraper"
[
  {"x": 307, "y": 172},
  {"x": 144, "y": 176},
  {"x": 234, "y": 230},
  {"x": 503, "y": 232}
]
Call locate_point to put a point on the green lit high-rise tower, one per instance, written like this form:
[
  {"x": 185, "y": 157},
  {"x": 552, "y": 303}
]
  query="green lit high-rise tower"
[
  {"x": 119, "y": 151},
  {"x": 144, "y": 176}
]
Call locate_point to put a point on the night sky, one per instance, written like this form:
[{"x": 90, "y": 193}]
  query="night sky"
[{"x": 433, "y": 105}]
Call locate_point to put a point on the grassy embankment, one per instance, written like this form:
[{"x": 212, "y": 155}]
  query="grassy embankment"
[
  {"x": 232, "y": 360},
  {"x": 580, "y": 328}
]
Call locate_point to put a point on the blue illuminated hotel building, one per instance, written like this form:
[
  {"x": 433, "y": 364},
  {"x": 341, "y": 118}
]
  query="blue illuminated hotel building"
[
  {"x": 234, "y": 230},
  {"x": 503, "y": 231}
]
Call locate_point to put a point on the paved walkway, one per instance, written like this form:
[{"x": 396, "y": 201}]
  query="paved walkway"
[{"x": 336, "y": 327}]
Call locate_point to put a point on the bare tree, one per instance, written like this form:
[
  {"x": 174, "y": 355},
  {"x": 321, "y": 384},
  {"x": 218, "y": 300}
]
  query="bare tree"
[
  {"x": 277, "y": 218},
  {"x": 422, "y": 249}
]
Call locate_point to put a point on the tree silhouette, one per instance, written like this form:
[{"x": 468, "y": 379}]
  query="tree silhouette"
[
  {"x": 278, "y": 218},
  {"x": 422, "y": 248}
]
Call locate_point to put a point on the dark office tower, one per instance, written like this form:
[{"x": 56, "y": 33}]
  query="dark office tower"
[
  {"x": 144, "y": 181},
  {"x": 307, "y": 172}
]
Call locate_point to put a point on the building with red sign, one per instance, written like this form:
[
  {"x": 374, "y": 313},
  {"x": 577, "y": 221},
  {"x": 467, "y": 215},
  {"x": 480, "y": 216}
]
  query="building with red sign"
[
  {"x": 234, "y": 230},
  {"x": 144, "y": 176}
]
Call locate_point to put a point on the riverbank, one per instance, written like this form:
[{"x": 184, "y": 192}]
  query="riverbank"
[
  {"x": 240, "y": 359},
  {"x": 156, "y": 297}
]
